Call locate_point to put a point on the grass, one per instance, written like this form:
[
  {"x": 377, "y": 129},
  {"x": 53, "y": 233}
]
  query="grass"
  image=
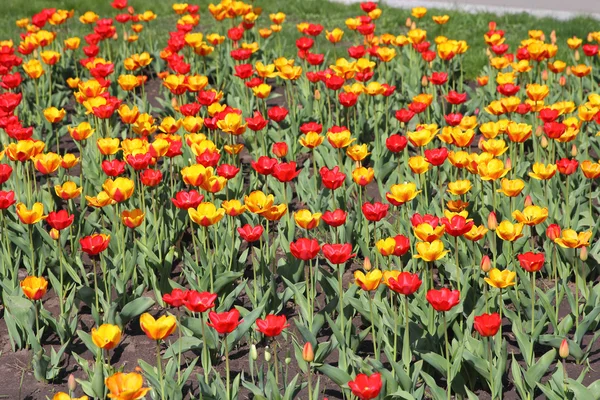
[{"x": 462, "y": 26}]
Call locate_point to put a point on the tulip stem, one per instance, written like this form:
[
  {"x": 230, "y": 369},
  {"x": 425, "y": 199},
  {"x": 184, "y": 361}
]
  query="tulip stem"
[
  {"x": 406, "y": 332},
  {"x": 448, "y": 364},
  {"x": 95, "y": 283},
  {"x": 500, "y": 307},
  {"x": 490, "y": 360},
  {"x": 341, "y": 300},
  {"x": 396, "y": 310},
  {"x": 567, "y": 209},
  {"x": 555, "y": 273},
  {"x": 227, "y": 366},
  {"x": 32, "y": 266},
  {"x": 576, "y": 292},
  {"x": 62, "y": 287},
  {"x": 205, "y": 352},
  {"x": 159, "y": 369},
  {"x": 373, "y": 334}
]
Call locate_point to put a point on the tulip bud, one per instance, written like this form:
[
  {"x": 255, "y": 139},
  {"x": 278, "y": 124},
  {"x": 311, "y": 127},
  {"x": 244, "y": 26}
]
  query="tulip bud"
[
  {"x": 508, "y": 163},
  {"x": 528, "y": 201},
  {"x": 538, "y": 131},
  {"x": 54, "y": 234},
  {"x": 545, "y": 75},
  {"x": 486, "y": 264},
  {"x": 553, "y": 37},
  {"x": 492, "y": 25},
  {"x": 317, "y": 95},
  {"x": 492, "y": 221},
  {"x": 424, "y": 81},
  {"x": 574, "y": 151},
  {"x": 583, "y": 254},
  {"x": 544, "y": 142},
  {"x": 308, "y": 354},
  {"x": 562, "y": 81},
  {"x": 253, "y": 352},
  {"x": 267, "y": 354},
  {"x": 71, "y": 383},
  {"x": 553, "y": 231},
  {"x": 577, "y": 57},
  {"x": 408, "y": 22},
  {"x": 174, "y": 102},
  {"x": 287, "y": 360},
  {"x": 413, "y": 25},
  {"x": 590, "y": 37},
  {"x": 563, "y": 350},
  {"x": 367, "y": 264}
]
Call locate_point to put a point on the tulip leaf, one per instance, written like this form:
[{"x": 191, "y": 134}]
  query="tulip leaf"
[
  {"x": 536, "y": 372},
  {"x": 338, "y": 376},
  {"x": 135, "y": 308}
]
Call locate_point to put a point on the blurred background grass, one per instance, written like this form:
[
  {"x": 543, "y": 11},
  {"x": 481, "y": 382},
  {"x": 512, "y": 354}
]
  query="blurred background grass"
[{"x": 462, "y": 26}]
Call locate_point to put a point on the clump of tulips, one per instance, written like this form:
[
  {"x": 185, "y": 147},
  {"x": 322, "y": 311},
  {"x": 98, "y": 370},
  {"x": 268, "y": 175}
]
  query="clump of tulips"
[{"x": 360, "y": 213}]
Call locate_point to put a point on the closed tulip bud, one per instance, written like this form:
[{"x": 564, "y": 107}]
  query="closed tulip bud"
[
  {"x": 538, "y": 131},
  {"x": 544, "y": 142},
  {"x": 424, "y": 81},
  {"x": 486, "y": 264},
  {"x": 71, "y": 383},
  {"x": 528, "y": 201},
  {"x": 253, "y": 352},
  {"x": 308, "y": 354},
  {"x": 367, "y": 265},
  {"x": 583, "y": 254},
  {"x": 492, "y": 221},
  {"x": 562, "y": 81},
  {"x": 577, "y": 55},
  {"x": 408, "y": 22},
  {"x": 54, "y": 234},
  {"x": 287, "y": 360},
  {"x": 317, "y": 95},
  {"x": 545, "y": 75},
  {"x": 508, "y": 163},
  {"x": 563, "y": 350},
  {"x": 267, "y": 354},
  {"x": 574, "y": 151}
]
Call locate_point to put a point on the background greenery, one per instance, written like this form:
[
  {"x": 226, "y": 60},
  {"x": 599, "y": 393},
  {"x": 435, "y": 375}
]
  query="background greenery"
[{"x": 462, "y": 26}]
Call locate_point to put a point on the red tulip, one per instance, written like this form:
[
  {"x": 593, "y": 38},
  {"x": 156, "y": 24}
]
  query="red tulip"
[
  {"x": 272, "y": 325},
  {"x": 402, "y": 245},
  {"x": 457, "y": 226},
  {"x": 443, "y": 299},
  {"x": 250, "y": 233},
  {"x": 176, "y": 298},
  {"x": 277, "y": 113},
  {"x": 456, "y": 98},
  {"x": 304, "y": 43},
  {"x": 139, "y": 161},
  {"x": 305, "y": 249},
  {"x": 227, "y": 171},
  {"x": 553, "y": 231},
  {"x": 151, "y": 177},
  {"x": 5, "y": 171},
  {"x": 59, "y": 220},
  {"x": 332, "y": 178},
  {"x": 334, "y": 218},
  {"x": 404, "y": 115},
  {"x": 280, "y": 149},
  {"x": 418, "y": 219},
  {"x": 436, "y": 156},
  {"x": 94, "y": 244},
  {"x": 366, "y": 387},
  {"x": 225, "y": 322},
  {"x": 338, "y": 253},
  {"x": 185, "y": 200},
  {"x": 368, "y": 6},
  {"x": 7, "y": 199},
  {"x": 334, "y": 82},
  {"x": 566, "y": 166},
  {"x": 396, "y": 143},
  {"x": 264, "y": 165},
  {"x": 285, "y": 172},
  {"x": 554, "y": 129},
  {"x": 311, "y": 127},
  {"x": 453, "y": 119},
  {"x": 548, "y": 114},
  {"x": 406, "y": 283},
  {"x": 199, "y": 301},
  {"x": 356, "y": 52},
  {"x": 531, "y": 262},
  {"x": 113, "y": 168},
  {"x": 487, "y": 324},
  {"x": 438, "y": 78},
  {"x": 244, "y": 71},
  {"x": 375, "y": 211},
  {"x": 256, "y": 123},
  {"x": 508, "y": 89},
  {"x": 208, "y": 158}
]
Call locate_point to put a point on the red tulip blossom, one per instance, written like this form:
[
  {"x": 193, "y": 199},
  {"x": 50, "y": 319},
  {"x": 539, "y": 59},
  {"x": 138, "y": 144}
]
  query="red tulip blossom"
[
  {"x": 264, "y": 165},
  {"x": 375, "y": 211},
  {"x": 250, "y": 233},
  {"x": 224, "y": 322},
  {"x": 176, "y": 298},
  {"x": 338, "y": 253},
  {"x": 366, "y": 387},
  {"x": 60, "y": 220},
  {"x": 334, "y": 218},
  {"x": 94, "y": 244},
  {"x": 305, "y": 249},
  {"x": 199, "y": 301},
  {"x": 487, "y": 324},
  {"x": 7, "y": 199},
  {"x": 566, "y": 166},
  {"x": 406, "y": 283},
  {"x": 272, "y": 325},
  {"x": 332, "y": 178},
  {"x": 402, "y": 245},
  {"x": 285, "y": 172},
  {"x": 443, "y": 299},
  {"x": 396, "y": 143},
  {"x": 185, "y": 200},
  {"x": 457, "y": 226},
  {"x": 531, "y": 262}
]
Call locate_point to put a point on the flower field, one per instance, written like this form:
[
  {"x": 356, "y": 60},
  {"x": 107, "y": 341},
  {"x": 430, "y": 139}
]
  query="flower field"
[{"x": 232, "y": 212}]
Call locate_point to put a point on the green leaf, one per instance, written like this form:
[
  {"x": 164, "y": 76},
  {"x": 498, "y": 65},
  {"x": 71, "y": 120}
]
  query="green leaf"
[{"x": 135, "y": 308}]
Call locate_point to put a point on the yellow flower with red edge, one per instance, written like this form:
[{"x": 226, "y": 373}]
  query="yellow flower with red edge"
[
  {"x": 132, "y": 219},
  {"x": 54, "y": 115},
  {"x": 68, "y": 190},
  {"x": 307, "y": 220},
  {"x": 206, "y": 214},
  {"x": 30, "y": 216},
  {"x": 106, "y": 336},
  {"x": 33, "y": 287},
  {"x": 531, "y": 215},
  {"x": 430, "y": 252},
  {"x": 572, "y": 239},
  {"x": 508, "y": 231},
  {"x": 369, "y": 281},
  {"x": 123, "y": 386},
  {"x": 119, "y": 189}
]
